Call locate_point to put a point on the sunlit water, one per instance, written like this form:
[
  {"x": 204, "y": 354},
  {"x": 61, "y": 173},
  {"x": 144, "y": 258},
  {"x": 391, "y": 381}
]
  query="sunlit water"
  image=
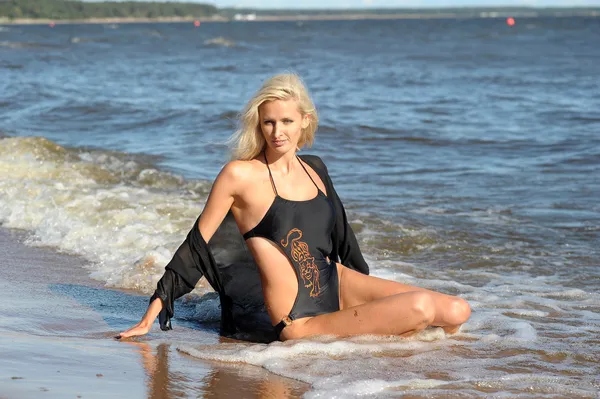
[{"x": 466, "y": 152}]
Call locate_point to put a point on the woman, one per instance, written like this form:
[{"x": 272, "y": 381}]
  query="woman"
[{"x": 283, "y": 209}]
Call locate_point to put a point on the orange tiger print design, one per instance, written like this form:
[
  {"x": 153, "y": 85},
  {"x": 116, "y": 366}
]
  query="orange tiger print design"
[{"x": 308, "y": 270}]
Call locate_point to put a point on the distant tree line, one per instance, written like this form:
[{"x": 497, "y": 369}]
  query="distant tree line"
[
  {"x": 76, "y": 9},
  {"x": 466, "y": 12},
  {"x": 73, "y": 9}
]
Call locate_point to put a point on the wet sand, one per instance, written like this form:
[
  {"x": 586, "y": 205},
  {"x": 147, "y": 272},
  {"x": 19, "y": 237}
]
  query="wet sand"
[{"x": 56, "y": 339}]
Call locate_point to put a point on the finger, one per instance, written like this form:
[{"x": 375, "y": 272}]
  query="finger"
[
  {"x": 125, "y": 334},
  {"x": 132, "y": 332}
]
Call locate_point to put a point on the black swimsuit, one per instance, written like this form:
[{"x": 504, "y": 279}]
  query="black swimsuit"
[{"x": 302, "y": 229}]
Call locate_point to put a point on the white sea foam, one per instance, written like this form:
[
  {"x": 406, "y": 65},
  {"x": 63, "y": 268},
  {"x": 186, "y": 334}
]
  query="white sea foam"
[
  {"x": 95, "y": 206},
  {"x": 219, "y": 41},
  {"x": 513, "y": 328},
  {"x": 322, "y": 361}
]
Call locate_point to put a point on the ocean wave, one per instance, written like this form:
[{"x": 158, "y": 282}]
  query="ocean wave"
[
  {"x": 82, "y": 40},
  {"x": 125, "y": 217},
  {"x": 28, "y": 45},
  {"x": 11, "y": 66},
  {"x": 227, "y": 115},
  {"x": 219, "y": 41},
  {"x": 223, "y": 68},
  {"x": 94, "y": 111}
]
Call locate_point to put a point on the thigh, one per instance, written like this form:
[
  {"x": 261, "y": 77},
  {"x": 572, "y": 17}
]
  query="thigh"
[
  {"x": 393, "y": 315},
  {"x": 357, "y": 288}
]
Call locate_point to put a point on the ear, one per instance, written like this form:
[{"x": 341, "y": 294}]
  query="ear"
[{"x": 306, "y": 120}]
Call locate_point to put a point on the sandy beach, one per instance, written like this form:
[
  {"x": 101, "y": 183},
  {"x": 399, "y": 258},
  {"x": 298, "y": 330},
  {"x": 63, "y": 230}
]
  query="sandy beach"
[{"x": 56, "y": 339}]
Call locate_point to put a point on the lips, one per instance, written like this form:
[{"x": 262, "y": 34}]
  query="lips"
[{"x": 279, "y": 143}]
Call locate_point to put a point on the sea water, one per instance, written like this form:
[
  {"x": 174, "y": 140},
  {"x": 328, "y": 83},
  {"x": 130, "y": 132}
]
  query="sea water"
[{"x": 466, "y": 152}]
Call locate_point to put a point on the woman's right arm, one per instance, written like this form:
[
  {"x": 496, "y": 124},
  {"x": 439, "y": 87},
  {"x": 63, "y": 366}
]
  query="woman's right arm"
[{"x": 220, "y": 200}]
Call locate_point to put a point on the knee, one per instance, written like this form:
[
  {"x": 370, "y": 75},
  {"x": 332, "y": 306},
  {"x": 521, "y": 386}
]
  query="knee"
[
  {"x": 423, "y": 307},
  {"x": 459, "y": 311}
]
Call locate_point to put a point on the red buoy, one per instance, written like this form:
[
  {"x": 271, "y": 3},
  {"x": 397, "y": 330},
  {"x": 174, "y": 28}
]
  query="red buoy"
[
  {"x": 196, "y": 23},
  {"x": 51, "y": 24},
  {"x": 510, "y": 21}
]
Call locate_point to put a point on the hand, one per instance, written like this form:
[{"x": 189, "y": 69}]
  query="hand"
[
  {"x": 143, "y": 327},
  {"x": 140, "y": 328}
]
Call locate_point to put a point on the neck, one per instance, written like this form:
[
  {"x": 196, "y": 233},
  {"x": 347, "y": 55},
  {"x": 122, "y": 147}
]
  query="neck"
[{"x": 282, "y": 163}]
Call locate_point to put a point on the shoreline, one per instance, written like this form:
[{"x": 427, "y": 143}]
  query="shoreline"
[
  {"x": 300, "y": 18},
  {"x": 56, "y": 338}
]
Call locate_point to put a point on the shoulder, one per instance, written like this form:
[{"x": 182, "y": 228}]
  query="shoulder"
[
  {"x": 237, "y": 169},
  {"x": 239, "y": 172},
  {"x": 314, "y": 161}
]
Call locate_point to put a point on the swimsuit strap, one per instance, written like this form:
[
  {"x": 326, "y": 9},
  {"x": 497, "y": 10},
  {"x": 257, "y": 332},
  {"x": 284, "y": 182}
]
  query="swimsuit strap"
[
  {"x": 273, "y": 181},
  {"x": 309, "y": 176},
  {"x": 270, "y": 175}
]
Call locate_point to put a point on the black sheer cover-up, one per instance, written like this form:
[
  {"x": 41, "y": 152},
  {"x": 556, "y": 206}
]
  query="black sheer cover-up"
[{"x": 235, "y": 277}]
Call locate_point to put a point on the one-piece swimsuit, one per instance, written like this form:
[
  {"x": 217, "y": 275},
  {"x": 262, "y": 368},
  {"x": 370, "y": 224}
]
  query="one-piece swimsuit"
[{"x": 302, "y": 230}]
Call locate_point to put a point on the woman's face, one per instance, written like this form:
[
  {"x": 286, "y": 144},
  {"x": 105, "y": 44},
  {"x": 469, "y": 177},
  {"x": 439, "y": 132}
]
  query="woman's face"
[{"x": 281, "y": 123}]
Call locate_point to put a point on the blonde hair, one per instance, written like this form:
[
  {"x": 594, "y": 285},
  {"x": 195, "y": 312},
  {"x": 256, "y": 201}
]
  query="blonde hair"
[{"x": 248, "y": 141}]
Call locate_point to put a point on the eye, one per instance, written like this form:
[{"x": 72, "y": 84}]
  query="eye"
[
  {"x": 268, "y": 122},
  {"x": 287, "y": 121}
]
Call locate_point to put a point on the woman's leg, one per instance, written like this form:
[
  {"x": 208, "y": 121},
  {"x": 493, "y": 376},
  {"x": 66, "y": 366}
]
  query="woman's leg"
[
  {"x": 402, "y": 314},
  {"x": 357, "y": 289},
  {"x": 370, "y": 305}
]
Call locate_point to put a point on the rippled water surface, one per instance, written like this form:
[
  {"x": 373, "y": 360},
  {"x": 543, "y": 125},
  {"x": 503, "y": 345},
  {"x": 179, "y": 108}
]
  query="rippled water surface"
[{"x": 467, "y": 154}]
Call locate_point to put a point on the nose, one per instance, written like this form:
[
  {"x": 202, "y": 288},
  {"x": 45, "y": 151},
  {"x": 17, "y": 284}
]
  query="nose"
[{"x": 276, "y": 129}]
